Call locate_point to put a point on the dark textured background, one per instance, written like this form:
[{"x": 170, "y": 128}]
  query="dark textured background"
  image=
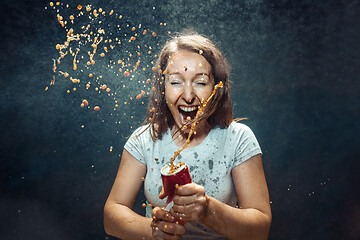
[{"x": 295, "y": 71}]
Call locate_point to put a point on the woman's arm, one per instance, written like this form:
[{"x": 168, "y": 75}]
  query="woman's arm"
[
  {"x": 250, "y": 221},
  {"x": 120, "y": 221}
]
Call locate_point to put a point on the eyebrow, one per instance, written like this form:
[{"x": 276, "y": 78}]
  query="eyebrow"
[{"x": 197, "y": 74}]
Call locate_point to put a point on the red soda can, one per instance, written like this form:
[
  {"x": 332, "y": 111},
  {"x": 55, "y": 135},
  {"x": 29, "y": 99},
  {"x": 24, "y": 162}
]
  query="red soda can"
[{"x": 180, "y": 176}]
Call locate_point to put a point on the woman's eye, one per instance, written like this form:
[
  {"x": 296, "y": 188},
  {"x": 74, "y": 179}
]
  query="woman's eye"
[
  {"x": 174, "y": 80},
  {"x": 201, "y": 83}
]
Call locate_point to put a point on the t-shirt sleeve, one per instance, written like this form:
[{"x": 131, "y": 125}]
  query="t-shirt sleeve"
[
  {"x": 135, "y": 144},
  {"x": 247, "y": 145}
]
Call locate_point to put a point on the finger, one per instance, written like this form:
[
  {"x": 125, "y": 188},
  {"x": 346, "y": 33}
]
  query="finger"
[
  {"x": 184, "y": 209},
  {"x": 166, "y": 230},
  {"x": 158, "y": 234},
  {"x": 160, "y": 214},
  {"x": 189, "y": 213},
  {"x": 189, "y": 189},
  {"x": 186, "y": 217},
  {"x": 171, "y": 228},
  {"x": 181, "y": 217},
  {"x": 185, "y": 200}
]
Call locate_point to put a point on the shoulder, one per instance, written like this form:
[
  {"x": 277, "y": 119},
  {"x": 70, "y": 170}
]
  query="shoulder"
[
  {"x": 237, "y": 127},
  {"x": 246, "y": 144},
  {"x": 137, "y": 142},
  {"x": 235, "y": 132},
  {"x": 141, "y": 129},
  {"x": 142, "y": 132}
]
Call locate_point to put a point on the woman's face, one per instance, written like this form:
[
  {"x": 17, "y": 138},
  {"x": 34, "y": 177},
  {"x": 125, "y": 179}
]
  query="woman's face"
[{"x": 188, "y": 81}]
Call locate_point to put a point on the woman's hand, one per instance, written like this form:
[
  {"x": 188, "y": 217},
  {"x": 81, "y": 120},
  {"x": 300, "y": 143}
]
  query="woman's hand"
[
  {"x": 190, "y": 203},
  {"x": 165, "y": 226}
]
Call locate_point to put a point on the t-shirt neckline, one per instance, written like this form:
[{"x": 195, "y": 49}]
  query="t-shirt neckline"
[{"x": 175, "y": 146}]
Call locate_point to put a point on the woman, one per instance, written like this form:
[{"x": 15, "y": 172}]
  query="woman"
[{"x": 223, "y": 156}]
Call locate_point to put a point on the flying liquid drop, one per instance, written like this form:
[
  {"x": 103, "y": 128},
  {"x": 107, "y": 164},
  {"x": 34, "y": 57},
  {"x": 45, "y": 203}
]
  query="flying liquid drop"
[
  {"x": 85, "y": 102},
  {"x": 140, "y": 95}
]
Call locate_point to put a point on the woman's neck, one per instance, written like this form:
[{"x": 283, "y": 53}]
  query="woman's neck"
[{"x": 180, "y": 137}]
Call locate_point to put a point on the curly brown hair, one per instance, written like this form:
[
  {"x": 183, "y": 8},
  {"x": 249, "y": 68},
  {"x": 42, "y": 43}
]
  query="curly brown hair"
[{"x": 219, "y": 110}]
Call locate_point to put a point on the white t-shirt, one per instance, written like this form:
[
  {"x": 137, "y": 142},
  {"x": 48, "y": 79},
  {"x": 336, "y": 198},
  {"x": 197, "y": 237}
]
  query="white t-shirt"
[{"x": 210, "y": 164}]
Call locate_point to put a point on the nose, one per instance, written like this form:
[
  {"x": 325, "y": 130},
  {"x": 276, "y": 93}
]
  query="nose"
[{"x": 188, "y": 93}]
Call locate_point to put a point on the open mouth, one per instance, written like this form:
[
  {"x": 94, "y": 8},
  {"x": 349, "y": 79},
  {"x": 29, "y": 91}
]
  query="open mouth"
[{"x": 187, "y": 114}]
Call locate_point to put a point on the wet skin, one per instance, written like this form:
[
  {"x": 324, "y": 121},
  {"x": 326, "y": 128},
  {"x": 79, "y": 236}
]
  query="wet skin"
[
  {"x": 187, "y": 82},
  {"x": 165, "y": 226}
]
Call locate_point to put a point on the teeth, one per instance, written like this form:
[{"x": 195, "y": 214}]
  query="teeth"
[{"x": 187, "y": 109}]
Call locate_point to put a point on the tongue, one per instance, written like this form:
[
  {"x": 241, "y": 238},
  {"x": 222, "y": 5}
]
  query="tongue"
[
  {"x": 185, "y": 116},
  {"x": 191, "y": 114}
]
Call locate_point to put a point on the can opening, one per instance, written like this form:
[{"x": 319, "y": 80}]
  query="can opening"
[{"x": 166, "y": 170}]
